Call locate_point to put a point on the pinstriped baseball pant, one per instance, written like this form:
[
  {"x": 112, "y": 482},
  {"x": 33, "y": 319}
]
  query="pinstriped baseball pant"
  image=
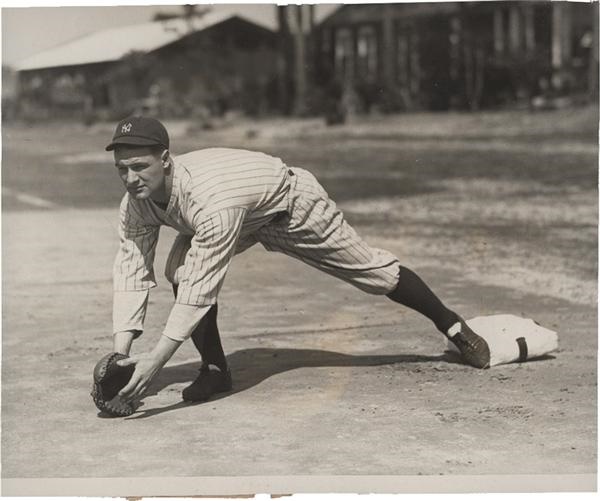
[{"x": 313, "y": 230}]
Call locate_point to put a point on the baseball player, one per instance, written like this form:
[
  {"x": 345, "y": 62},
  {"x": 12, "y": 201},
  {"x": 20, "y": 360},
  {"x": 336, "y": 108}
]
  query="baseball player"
[{"x": 222, "y": 201}]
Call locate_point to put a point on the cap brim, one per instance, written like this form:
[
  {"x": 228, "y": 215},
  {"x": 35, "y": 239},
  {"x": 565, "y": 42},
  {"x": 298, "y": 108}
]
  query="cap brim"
[{"x": 133, "y": 141}]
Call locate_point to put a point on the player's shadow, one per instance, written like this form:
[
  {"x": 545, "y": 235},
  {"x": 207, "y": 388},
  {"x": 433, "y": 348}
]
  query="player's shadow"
[{"x": 250, "y": 367}]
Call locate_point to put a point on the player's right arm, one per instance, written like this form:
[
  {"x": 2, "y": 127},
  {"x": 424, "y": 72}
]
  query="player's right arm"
[{"x": 133, "y": 274}]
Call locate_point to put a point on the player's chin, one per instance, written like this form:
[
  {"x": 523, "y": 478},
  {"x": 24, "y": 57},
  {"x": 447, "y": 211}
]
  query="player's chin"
[{"x": 140, "y": 194}]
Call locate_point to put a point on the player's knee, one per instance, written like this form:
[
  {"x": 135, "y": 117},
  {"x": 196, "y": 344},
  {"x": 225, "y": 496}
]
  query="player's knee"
[
  {"x": 171, "y": 275},
  {"x": 377, "y": 289}
]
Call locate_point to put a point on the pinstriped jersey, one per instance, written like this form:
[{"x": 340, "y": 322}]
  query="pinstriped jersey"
[{"x": 218, "y": 196}]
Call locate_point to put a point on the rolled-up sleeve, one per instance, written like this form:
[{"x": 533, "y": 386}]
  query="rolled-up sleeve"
[
  {"x": 183, "y": 320},
  {"x": 206, "y": 263},
  {"x": 129, "y": 310}
]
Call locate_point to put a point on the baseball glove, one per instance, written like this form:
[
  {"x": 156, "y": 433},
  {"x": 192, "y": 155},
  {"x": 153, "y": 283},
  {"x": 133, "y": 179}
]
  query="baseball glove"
[{"x": 109, "y": 379}]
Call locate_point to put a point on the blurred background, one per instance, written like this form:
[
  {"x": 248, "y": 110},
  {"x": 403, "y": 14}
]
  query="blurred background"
[{"x": 336, "y": 61}]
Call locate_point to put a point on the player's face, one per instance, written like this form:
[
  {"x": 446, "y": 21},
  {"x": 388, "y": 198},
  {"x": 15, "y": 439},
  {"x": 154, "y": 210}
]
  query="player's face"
[{"x": 142, "y": 172}]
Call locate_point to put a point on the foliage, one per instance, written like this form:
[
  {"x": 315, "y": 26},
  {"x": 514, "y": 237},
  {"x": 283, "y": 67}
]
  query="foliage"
[
  {"x": 516, "y": 77},
  {"x": 188, "y": 12}
]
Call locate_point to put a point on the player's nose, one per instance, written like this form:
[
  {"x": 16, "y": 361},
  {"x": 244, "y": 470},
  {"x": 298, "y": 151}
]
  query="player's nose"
[{"x": 131, "y": 177}]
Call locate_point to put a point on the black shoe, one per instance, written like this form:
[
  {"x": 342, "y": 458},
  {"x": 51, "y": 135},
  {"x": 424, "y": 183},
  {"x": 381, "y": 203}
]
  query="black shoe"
[
  {"x": 473, "y": 348},
  {"x": 209, "y": 382}
]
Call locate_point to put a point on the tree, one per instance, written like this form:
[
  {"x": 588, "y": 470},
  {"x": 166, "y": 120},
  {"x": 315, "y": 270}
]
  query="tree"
[
  {"x": 189, "y": 12},
  {"x": 295, "y": 24}
]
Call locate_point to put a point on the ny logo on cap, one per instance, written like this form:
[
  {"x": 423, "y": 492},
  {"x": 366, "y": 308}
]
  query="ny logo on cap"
[{"x": 126, "y": 127}]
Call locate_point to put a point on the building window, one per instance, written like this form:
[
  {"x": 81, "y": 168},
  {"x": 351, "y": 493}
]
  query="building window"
[
  {"x": 403, "y": 59},
  {"x": 325, "y": 41},
  {"x": 542, "y": 25},
  {"x": 514, "y": 29},
  {"x": 529, "y": 26},
  {"x": 344, "y": 53},
  {"x": 499, "y": 23},
  {"x": 366, "y": 48},
  {"x": 407, "y": 58},
  {"x": 455, "y": 47}
]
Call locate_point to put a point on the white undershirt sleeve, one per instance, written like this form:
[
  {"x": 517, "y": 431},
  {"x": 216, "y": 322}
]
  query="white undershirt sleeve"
[
  {"x": 129, "y": 310},
  {"x": 183, "y": 320}
]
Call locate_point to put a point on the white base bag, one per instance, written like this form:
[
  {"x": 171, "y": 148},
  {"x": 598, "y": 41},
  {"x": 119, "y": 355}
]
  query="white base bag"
[{"x": 511, "y": 338}]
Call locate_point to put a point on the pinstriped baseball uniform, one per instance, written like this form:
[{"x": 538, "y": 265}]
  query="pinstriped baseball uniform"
[{"x": 222, "y": 202}]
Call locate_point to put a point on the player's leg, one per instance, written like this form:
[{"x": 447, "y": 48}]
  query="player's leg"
[
  {"x": 207, "y": 340},
  {"x": 316, "y": 232},
  {"x": 414, "y": 293},
  {"x": 214, "y": 374}
]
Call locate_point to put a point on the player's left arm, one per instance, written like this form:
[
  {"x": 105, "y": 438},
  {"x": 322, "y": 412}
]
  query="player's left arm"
[{"x": 133, "y": 274}]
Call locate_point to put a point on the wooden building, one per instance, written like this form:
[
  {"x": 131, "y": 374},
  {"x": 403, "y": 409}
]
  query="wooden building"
[
  {"x": 391, "y": 57},
  {"x": 455, "y": 54},
  {"x": 175, "y": 67}
]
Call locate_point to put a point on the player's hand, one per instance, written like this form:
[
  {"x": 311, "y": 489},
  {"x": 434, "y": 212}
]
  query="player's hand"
[{"x": 147, "y": 365}]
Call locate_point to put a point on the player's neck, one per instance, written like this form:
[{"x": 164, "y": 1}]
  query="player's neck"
[{"x": 163, "y": 196}]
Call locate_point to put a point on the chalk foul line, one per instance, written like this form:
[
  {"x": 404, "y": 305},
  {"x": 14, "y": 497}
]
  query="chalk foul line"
[{"x": 28, "y": 199}]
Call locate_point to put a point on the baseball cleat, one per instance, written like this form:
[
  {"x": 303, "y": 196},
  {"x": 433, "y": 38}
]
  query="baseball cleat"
[
  {"x": 209, "y": 382},
  {"x": 473, "y": 348}
]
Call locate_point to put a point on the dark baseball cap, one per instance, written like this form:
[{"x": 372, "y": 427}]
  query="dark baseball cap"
[{"x": 139, "y": 131}]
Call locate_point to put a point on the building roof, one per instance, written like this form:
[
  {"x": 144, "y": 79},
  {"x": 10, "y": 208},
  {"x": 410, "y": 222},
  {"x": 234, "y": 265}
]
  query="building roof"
[{"x": 114, "y": 43}]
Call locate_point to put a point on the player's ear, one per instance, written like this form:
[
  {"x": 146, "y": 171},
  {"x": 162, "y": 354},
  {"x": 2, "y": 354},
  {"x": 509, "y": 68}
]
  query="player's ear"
[{"x": 164, "y": 157}]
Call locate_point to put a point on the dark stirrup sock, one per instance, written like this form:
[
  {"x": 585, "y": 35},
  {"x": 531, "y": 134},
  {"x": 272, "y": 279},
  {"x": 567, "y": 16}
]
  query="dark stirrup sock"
[
  {"x": 207, "y": 340},
  {"x": 411, "y": 291}
]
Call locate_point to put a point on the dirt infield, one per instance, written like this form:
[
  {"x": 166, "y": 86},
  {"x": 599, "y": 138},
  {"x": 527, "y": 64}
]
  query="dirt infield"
[{"x": 327, "y": 380}]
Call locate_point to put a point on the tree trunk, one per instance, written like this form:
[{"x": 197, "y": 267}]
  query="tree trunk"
[
  {"x": 284, "y": 55},
  {"x": 300, "y": 21},
  {"x": 593, "y": 62}
]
